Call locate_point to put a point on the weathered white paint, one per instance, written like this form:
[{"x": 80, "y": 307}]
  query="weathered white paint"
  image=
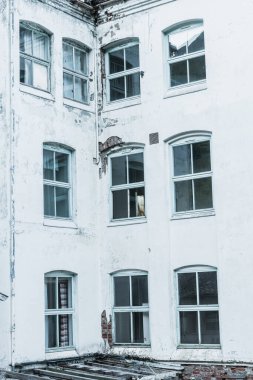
[{"x": 93, "y": 248}]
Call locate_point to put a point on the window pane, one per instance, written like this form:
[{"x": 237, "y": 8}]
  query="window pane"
[
  {"x": 51, "y": 324},
  {"x": 26, "y": 71},
  {"x": 80, "y": 61},
  {"x": 81, "y": 92},
  {"x": 25, "y": 41},
  {"x": 188, "y": 327},
  {"x": 183, "y": 196},
  {"x": 138, "y": 336},
  {"x": 40, "y": 76},
  {"x": 139, "y": 290},
  {"x": 187, "y": 289},
  {"x": 209, "y": 326},
  {"x": 61, "y": 167},
  {"x": 196, "y": 39},
  {"x": 197, "y": 69},
  {"x": 119, "y": 170},
  {"x": 201, "y": 157},
  {"x": 177, "y": 44},
  {"x": 48, "y": 164},
  {"x": 68, "y": 86},
  {"x": 178, "y": 73},
  {"x": 68, "y": 56},
  {"x": 121, "y": 291},
  {"x": 203, "y": 193},
  {"x": 64, "y": 293},
  {"x": 62, "y": 202},
  {"x": 182, "y": 159},
  {"x": 117, "y": 89},
  {"x": 133, "y": 85},
  {"x": 208, "y": 293},
  {"x": 122, "y": 327},
  {"x": 50, "y": 293},
  {"x": 136, "y": 167},
  {"x": 64, "y": 330},
  {"x": 132, "y": 57},
  {"x": 120, "y": 204},
  {"x": 116, "y": 61},
  {"x": 40, "y": 46},
  {"x": 49, "y": 200},
  {"x": 137, "y": 202}
]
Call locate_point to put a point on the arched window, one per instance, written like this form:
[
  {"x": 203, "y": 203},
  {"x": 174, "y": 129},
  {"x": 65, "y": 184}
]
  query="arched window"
[
  {"x": 123, "y": 70},
  {"x": 57, "y": 181},
  {"x": 59, "y": 309},
  {"x": 186, "y": 54},
  {"x": 197, "y": 306},
  {"x": 127, "y": 183},
  {"x": 191, "y": 173},
  {"x": 75, "y": 71},
  {"x": 34, "y": 46},
  {"x": 131, "y": 307}
]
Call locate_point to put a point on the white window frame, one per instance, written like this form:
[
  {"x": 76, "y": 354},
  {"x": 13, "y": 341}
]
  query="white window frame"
[
  {"x": 121, "y": 73},
  {"x": 190, "y": 139},
  {"x": 69, "y": 185},
  {"x": 127, "y": 186},
  {"x": 63, "y": 311},
  {"x": 189, "y": 86},
  {"x": 33, "y": 59},
  {"x": 129, "y": 309},
  {"x": 198, "y": 307},
  {"x": 74, "y": 73}
]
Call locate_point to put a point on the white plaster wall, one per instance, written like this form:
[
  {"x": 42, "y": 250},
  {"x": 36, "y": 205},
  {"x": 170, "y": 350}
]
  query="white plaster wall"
[{"x": 225, "y": 108}]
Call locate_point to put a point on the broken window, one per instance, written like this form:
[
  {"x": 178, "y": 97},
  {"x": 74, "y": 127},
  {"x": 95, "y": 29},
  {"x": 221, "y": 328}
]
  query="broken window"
[
  {"x": 59, "y": 310},
  {"x": 186, "y": 54},
  {"x": 57, "y": 182},
  {"x": 127, "y": 184},
  {"x": 131, "y": 309},
  {"x": 123, "y": 72},
  {"x": 34, "y": 45},
  {"x": 75, "y": 72},
  {"x": 192, "y": 175},
  {"x": 198, "y": 311}
]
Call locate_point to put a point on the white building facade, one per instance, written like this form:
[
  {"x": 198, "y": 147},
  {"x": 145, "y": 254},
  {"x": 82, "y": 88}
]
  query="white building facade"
[{"x": 125, "y": 182}]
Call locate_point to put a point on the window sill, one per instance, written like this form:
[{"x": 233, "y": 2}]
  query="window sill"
[
  {"x": 60, "y": 349},
  {"x": 141, "y": 345},
  {"x": 192, "y": 214},
  {"x": 185, "y": 89},
  {"x": 199, "y": 346},
  {"x": 36, "y": 92},
  {"x": 123, "y": 103},
  {"x": 76, "y": 104},
  {"x": 60, "y": 223},
  {"x": 124, "y": 222}
]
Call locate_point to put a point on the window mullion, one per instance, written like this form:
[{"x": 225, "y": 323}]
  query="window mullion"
[
  {"x": 199, "y": 330},
  {"x": 131, "y": 321},
  {"x": 188, "y": 74},
  {"x": 57, "y": 330}
]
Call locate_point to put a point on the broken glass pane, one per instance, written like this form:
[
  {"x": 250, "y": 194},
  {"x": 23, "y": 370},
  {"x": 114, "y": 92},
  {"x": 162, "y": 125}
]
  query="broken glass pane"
[
  {"x": 132, "y": 57},
  {"x": 136, "y": 167},
  {"x": 121, "y": 291},
  {"x": 189, "y": 327},
  {"x": 183, "y": 196},
  {"x": 122, "y": 327},
  {"x": 201, "y": 157},
  {"x": 182, "y": 159},
  {"x": 116, "y": 61},
  {"x": 61, "y": 167},
  {"x": 196, "y": 39},
  {"x": 177, "y": 44},
  {"x": 62, "y": 202},
  {"x": 119, "y": 170},
  {"x": 137, "y": 202},
  {"x": 203, "y": 193},
  {"x": 209, "y": 326},
  {"x": 120, "y": 204},
  {"x": 208, "y": 294},
  {"x": 139, "y": 290},
  {"x": 187, "y": 289}
]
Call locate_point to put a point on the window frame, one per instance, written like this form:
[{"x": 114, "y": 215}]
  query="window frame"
[
  {"x": 57, "y": 312},
  {"x": 74, "y": 73},
  {"x": 127, "y": 151},
  {"x": 36, "y": 29},
  {"x": 129, "y": 309},
  {"x": 197, "y": 307},
  {"x": 189, "y": 139},
  {"x": 124, "y": 73},
  {"x": 189, "y": 86},
  {"x": 53, "y": 183}
]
